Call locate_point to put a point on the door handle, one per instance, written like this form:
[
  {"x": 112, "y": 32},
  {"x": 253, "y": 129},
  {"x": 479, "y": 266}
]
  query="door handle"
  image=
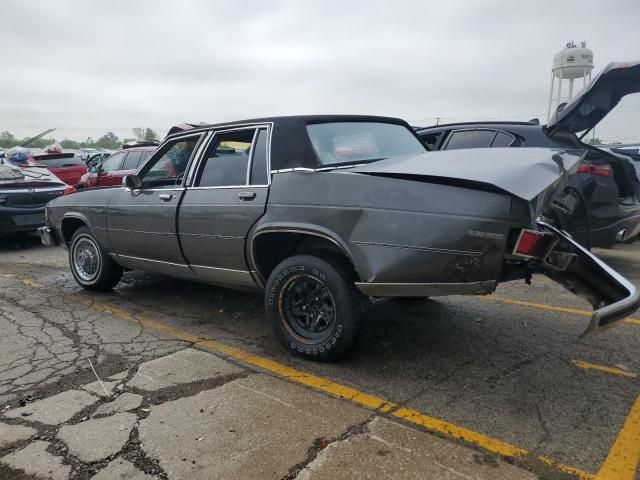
[
  {"x": 165, "y": 197},
  {"x": 246, "y": 195}
]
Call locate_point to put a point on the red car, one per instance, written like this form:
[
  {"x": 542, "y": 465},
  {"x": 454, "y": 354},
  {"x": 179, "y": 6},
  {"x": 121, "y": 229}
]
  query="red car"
[
  {"x": 111, "y": 171},
  {"x": 66, "y": 166}
]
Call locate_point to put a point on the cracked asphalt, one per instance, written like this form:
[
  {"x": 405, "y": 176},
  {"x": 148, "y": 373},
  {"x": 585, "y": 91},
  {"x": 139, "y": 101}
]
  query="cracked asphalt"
[{"x": 503, "y": 365}]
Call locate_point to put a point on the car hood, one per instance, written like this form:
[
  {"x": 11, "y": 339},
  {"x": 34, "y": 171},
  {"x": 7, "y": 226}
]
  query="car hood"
[
  {"x": 597, "y": 98},
  {"x": 523, "y": 172}
]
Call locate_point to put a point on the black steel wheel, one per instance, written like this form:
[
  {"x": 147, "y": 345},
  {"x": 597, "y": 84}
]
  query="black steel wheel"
[{"x": 314, "y": 306}]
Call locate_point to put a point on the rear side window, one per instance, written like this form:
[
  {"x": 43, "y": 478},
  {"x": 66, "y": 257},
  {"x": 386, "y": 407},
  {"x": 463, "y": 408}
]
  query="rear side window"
[
  {"x": 503, "y": 140},
  {"x": 259, "y": 173},
  {"x": 470, "y": 139},
  {"x": 132, "y": 161},
  {"x": 353, "y": 142}
]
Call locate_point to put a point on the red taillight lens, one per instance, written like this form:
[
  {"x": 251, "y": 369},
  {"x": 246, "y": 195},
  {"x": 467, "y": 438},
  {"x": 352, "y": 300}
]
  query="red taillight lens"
[
  {"x": 532, "y": 243},
  {"x": 602, "y": 169},
  {"x": 69, "y": 189}
]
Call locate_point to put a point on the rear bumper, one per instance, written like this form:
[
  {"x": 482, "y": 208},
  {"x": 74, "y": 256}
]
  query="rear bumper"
[
  {"x": 612, "y": 296},
  {"x": 20, "y": 219}
]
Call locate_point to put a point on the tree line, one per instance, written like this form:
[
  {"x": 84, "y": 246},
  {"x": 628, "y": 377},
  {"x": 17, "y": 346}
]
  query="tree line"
[{"x": 109, "y": 140}]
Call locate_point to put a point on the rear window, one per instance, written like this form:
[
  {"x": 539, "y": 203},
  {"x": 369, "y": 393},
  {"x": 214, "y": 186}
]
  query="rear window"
[
  {"x": 354, "y": 142},
  {"x": 58, "y": 160}
]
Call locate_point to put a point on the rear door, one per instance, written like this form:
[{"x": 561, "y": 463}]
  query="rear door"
[{"x": 228, "y": 193}]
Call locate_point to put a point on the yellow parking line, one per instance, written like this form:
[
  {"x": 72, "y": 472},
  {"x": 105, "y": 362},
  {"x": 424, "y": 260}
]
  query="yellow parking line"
[
  {"x": 603, "y": 368},
  {"x": 544, "y": 306},
  {"x": 623, "y": 458},
  {"x": 358, "y": 397}
]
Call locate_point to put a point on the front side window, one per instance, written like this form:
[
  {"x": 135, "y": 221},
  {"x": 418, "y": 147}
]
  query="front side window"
[
  {"x": 356, "y": 142},
  {"x": 166, "y": 168},
  {"x": 470, "y": 139},
  {"x": 226, "y": 162},
  {"x": 113, "y": 163}
]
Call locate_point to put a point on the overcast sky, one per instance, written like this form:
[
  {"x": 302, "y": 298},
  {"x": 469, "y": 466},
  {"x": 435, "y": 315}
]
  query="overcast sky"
[{"x": 88, "y": 67}]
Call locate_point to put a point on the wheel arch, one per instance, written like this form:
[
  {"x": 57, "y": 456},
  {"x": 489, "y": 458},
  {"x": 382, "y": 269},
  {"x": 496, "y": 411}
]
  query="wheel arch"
[
  {"x": 270, "y": 245},
  {"x": 70, "y": 223}
]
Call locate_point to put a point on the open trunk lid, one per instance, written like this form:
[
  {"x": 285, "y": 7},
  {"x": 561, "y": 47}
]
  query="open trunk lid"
[{"x": 597, "y": 98}]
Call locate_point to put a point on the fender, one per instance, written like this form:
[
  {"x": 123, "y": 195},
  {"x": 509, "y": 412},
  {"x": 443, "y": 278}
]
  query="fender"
[
  {"x": 295, "y": 227},
  {"x": 100, "y": 234}
]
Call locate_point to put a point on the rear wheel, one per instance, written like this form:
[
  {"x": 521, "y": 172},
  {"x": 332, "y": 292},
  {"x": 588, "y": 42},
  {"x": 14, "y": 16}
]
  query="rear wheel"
[
  {"x": 90, "y": 265},
  {"x": 314, "y": 307}
]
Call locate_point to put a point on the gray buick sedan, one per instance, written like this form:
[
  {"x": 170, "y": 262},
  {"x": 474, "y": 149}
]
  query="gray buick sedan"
[{"x": 323, "y": 212}]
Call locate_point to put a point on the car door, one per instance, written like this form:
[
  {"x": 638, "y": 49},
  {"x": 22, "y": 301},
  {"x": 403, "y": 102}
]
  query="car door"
[
  {"x": 142, "y": 223},
  {"x": 228, "y": 194},
  {"x": 104, "y": 177}
]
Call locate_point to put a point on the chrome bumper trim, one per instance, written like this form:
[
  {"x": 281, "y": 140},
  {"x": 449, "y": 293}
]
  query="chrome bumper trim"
[{"x": 613, "y": 313}]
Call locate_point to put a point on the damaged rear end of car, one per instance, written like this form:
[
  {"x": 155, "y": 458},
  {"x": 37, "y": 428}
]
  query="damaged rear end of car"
[{"x": 537, "y": 180}]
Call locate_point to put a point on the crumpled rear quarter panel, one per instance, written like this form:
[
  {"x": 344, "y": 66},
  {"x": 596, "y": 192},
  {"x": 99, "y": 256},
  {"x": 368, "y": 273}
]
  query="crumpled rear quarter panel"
[{"x": 397, "y": 230}]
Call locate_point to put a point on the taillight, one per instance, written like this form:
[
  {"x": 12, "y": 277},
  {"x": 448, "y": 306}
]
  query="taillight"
[
  {"x": 532, "y": 243},
  {"x": 69, "y": 189},
  {"x": 602, "y": 169}
]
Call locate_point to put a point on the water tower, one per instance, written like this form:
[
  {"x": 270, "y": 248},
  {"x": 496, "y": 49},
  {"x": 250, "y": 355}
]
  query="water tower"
[{"x": 570, "y": 63}]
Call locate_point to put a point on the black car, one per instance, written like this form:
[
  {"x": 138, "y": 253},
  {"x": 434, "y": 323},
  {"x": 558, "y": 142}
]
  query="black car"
[
  {"x": 605, "y": 184},
  {"x": 24, "y": 194}
]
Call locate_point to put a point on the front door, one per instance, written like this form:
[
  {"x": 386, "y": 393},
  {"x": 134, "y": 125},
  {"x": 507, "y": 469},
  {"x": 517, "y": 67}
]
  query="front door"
[
  {"x": 228, "y": 194},
  {"x": 104, "y": 177},
  {"x": 142, "y": 223}
]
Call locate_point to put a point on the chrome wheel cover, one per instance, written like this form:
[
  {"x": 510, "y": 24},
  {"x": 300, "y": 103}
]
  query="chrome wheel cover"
[{"x": 87, "y": 260}]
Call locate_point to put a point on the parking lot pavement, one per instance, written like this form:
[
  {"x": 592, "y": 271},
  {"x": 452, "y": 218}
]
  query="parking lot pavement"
[{"x": 505, "y": 374}]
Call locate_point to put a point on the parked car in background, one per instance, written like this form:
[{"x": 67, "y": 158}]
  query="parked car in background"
[
  {"x": 85, "y": 153},
  {"x": 96, "y": 158},
  {"x": 68, "y": 167},
  {"x": 24, "y": 194},
  {"x": 630, "y": 152},
  {"x": 322, "y": 212},
  {"x": 606, "y": 185},
  {"x": 110, "y": 171}
]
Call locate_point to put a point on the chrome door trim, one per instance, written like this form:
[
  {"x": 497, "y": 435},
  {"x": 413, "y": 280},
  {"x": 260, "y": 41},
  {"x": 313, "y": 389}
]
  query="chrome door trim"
[{"x": 195, "y": 165}]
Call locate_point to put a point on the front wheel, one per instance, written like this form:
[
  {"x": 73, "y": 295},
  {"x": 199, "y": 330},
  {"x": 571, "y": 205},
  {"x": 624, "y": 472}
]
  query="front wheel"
[
  {"x": 90, "y": 265},
  {"x": 314, "y": 307}
]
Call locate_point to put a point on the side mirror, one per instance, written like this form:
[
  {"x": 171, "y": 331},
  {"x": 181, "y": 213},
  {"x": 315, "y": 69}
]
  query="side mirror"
[{"x": 131, "y": 182}]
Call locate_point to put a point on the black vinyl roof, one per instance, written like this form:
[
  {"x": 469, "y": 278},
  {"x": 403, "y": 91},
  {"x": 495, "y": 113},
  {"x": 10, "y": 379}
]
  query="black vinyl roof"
[{"x": 290, "y": 143}]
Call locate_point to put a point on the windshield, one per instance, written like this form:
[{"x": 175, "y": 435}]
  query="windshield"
[{"x": 355, "y": 142}]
